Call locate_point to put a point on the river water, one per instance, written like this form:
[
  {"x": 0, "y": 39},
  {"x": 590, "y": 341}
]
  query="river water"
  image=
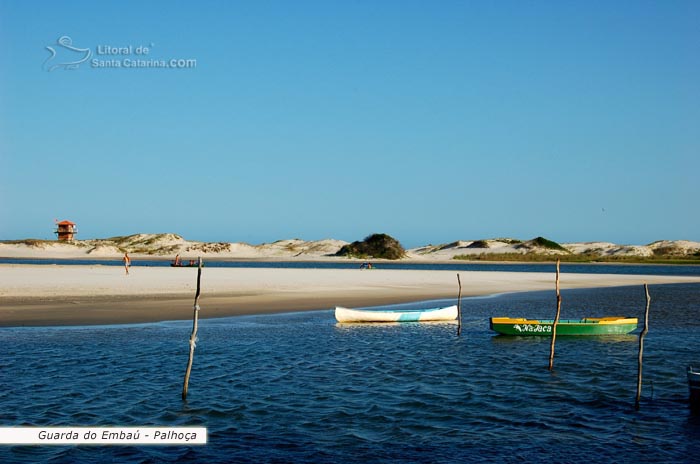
[
  {"x": 585, "y": 268},
  {"x": 298, "y": 387}
]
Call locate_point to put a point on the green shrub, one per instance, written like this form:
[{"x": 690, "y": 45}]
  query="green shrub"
[
  {"x": 380, "y": 246},
  {"x": 543, "y": 243}
]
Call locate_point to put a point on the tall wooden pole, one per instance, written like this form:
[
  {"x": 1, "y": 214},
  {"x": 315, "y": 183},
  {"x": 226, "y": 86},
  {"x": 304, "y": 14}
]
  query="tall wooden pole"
[
  {"x": 642, "y": 334},
  {"x": 459, "y": 307},
  {"x": 193, "y": 337},
  {"x": 554, "y": 324}
]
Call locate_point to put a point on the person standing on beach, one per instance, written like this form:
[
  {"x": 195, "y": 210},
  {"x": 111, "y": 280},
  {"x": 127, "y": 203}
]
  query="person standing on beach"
[{"x": 127, "y": 262}]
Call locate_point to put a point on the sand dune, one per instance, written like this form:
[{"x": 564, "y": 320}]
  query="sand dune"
[{"x": 166, "y": 246}]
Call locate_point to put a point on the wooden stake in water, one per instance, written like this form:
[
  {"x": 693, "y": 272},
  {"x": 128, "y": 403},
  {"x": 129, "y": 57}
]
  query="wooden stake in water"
[
  {"x": 554, "y": 324},
  {"x": 193, "y": 337},
  {"x": 459, "y": 307},
  {"x": 642, "y": 334}
]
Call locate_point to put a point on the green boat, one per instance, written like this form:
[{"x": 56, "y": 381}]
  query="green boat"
[{"x": 543, "y": 327}]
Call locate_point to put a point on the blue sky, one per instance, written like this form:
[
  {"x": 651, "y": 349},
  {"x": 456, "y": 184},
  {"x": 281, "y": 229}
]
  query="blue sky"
[{"x": 429, "y": 121}]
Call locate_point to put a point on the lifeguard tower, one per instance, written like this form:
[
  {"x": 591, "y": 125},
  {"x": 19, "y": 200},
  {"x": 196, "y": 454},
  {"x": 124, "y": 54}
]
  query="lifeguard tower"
[{"x": 65, "y": 230}]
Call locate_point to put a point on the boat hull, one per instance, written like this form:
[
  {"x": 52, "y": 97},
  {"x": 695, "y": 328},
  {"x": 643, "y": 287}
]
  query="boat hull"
[
  {"x": 361, "y": 315},
  {"x": 578, "y": 327},
  {"x": 694, "y": 388}
]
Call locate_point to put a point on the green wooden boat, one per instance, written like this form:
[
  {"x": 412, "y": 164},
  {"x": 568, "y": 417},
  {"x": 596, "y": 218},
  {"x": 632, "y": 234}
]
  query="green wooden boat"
[{"x": 543, "y": 327}]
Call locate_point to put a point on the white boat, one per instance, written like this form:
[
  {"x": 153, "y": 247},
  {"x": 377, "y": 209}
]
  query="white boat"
[{"x": 448, "y": 313}]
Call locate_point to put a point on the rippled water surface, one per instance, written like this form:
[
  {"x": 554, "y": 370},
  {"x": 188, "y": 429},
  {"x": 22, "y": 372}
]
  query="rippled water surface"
[
  {"x": 587, "y": 268},
  {"x": 300, "y": 388}
]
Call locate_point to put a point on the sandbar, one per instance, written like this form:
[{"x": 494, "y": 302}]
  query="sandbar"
[{"x": 48, "y": 295}]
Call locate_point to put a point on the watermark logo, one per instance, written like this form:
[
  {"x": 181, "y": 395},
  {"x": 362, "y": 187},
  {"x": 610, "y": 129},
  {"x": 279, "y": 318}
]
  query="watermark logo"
[{"x": 65, "y": 55}]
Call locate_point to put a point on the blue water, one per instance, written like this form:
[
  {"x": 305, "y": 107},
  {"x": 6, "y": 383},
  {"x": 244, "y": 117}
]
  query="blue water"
[
  {"x": 300, "y": 388},
  {"x": 592, "y": 268}
]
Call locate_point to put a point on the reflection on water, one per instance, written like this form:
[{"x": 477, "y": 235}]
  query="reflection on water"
[
  {"x": 587, "y": 339},
  {"x": 611, "y": 339},
  {"x": 302, "y": 388},
  {"x": 404, "y": 326}
]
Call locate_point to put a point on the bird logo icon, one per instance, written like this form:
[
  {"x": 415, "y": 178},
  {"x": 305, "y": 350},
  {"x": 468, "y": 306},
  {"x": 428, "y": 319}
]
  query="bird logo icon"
[{"x": 65, "y": 55}]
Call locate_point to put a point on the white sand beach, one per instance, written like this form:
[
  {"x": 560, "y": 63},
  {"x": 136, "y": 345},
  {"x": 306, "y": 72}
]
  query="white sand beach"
[{"x": 96, "y": 294}]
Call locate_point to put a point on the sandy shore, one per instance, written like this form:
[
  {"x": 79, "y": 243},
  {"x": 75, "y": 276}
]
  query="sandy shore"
[{"x": 35, "y": 295}]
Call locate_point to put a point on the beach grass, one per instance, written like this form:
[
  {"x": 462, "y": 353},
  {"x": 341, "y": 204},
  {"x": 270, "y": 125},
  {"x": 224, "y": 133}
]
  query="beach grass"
[{"x": 580, "y": 258}]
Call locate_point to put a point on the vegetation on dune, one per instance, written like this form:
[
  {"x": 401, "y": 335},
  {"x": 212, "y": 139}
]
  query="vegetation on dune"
[
  {"x": 28, "y": 242},
  {"x": 218, "y": 247},
  {"x": 670, "y": 251},
  {"x": 479, "y": 244},
  {"x": 509, "y": 241},
  {"x": 542, "y": 243},
  {"x": 43, "y": 244},
  {"x": 581, "y": 258},
  {"x": 448, "y": 246},
  {"x": 379, "y": 246},
  {"x": 662, "y": 251},
  {"x": 147, "y": 244},
  {"x": 143, "y": 239}
]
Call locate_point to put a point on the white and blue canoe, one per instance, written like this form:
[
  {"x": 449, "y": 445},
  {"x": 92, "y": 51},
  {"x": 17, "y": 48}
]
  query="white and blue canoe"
[{"x": 448, "y": 313}]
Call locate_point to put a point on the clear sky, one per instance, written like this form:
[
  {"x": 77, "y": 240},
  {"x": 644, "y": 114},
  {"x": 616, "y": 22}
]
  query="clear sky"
[{"x": 429, "y": 121}]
